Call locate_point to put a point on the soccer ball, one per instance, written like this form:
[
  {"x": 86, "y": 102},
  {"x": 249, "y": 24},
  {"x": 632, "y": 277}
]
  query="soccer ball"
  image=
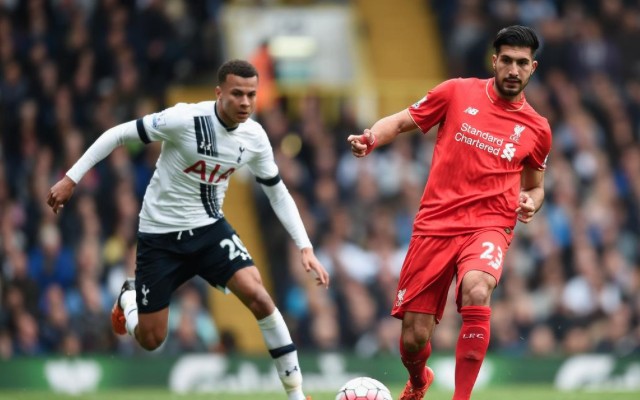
[{"x": 364, "y": 388}]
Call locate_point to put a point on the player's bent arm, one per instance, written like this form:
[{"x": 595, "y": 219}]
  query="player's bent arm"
[
  {"x": 532, "y": 184},
  {"x": 102, "y": 147},
  {"x": 387, "y": 128}
]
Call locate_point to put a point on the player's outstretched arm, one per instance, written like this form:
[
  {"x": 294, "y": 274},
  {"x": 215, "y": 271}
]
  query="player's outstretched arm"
[
  {"x": 312, "y": 264},
  {"x": 62, "y": 191},
  {"x": 382, "y": 132}
]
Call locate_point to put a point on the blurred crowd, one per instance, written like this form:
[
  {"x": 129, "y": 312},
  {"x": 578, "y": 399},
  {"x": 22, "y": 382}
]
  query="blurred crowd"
[{"x": 71, "y": 69}]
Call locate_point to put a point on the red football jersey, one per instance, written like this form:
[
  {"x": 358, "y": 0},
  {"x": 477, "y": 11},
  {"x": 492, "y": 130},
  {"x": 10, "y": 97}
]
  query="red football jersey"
[{"x": 482, "y": 145}]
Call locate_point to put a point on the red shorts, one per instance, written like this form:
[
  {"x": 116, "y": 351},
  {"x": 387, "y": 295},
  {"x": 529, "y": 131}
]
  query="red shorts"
[{"x": 432, "y": 261}]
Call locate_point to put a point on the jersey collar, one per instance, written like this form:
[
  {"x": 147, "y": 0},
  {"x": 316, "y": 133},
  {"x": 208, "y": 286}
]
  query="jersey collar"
[
  {"x": 502, "y": 103},
  {"x": 215, "y": 111}
]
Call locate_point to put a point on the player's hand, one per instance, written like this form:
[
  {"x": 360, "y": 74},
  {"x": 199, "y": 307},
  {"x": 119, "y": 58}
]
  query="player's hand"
[
  {"x": 361, "y": 145},
  {"x": 526, "y": 208},
  {"x": 60, "y": 193},
  {"x": 311, "y": 263}
]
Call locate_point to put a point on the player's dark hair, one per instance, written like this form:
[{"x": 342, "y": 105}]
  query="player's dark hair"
[
  {"x": 518, "y": 36},
  {"x": 240, "y": 68}
]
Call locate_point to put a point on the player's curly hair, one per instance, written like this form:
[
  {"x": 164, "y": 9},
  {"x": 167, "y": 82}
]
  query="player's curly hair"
[
  {"x": 237, "y": 67},
  {"x": 517, "y": 35}
]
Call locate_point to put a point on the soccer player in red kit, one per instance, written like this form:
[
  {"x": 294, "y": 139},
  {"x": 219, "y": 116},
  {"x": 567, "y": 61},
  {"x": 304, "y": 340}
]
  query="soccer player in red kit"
[{"x": 487, "y": 173}]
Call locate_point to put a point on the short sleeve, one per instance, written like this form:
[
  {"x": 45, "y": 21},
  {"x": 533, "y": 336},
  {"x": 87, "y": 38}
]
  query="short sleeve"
[
  {"x": 538, "y": 157},
  {"x": 263, "y": 164},
  {"x": 432, "y": 108},
  {"x": 164, "y": 125}
]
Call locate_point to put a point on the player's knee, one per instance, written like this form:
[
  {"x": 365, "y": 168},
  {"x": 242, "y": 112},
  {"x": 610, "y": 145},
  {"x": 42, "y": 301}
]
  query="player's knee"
[
  {"x": 415, "y": 341},
  {"x": 151, "y": 340},
  {"x": 477, "y": 295},
  {"x": 261, "y": 304},
  {"x": 151, "y": 343},
  {"x": 413, "y": 346}
]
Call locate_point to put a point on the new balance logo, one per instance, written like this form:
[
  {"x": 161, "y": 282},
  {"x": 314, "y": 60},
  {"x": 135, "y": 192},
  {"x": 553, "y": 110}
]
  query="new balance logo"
[
  {"x": 471, "y": 111},
  {"x": 508, "y": 152},
  {"x": 294, "y": 369}
]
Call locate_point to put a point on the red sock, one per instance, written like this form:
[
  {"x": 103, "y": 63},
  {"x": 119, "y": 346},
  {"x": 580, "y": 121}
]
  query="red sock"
[
  {"x": 471, "y": 348},
  {"x": 414, "y": 363}
]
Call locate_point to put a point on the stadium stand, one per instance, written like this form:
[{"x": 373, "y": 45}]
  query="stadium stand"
[{"x": 71, "y": 69}]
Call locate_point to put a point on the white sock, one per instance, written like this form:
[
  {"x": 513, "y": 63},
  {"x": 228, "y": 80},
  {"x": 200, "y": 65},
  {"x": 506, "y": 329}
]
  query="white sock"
[
  {"x": 285, "y": 357},
  {"x": 130, "y": 307}
]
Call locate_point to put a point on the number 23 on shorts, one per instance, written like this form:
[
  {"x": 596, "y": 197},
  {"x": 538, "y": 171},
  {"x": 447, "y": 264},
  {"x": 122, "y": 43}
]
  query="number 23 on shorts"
[
  {"x": 492, "y": 253},
  {"x": 489, "y": 247}
]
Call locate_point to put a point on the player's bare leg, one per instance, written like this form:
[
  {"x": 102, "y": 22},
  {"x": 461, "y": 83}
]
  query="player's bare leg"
[
  {"x": 475, "y": 292},
  {"x": 247, "y": 285},
  {"x": 152, "y": 329},
  {"x": 415, "y": 349}
]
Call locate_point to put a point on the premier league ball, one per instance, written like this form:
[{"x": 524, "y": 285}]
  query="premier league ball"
[{"x": 364, "y": 388}]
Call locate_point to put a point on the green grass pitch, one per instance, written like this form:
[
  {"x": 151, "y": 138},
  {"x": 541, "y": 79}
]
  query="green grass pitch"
[{"x": 498, "y": 393}]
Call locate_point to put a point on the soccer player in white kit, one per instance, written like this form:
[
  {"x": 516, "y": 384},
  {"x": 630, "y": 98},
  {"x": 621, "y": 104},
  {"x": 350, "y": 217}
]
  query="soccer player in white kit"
[{"x": 182, "y": 231}]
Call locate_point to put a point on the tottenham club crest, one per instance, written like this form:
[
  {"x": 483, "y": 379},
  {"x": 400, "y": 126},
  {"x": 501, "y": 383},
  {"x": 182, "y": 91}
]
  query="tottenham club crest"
[
  {"x": 145, "y": 291},
  {"x": 517, "y": 130}
]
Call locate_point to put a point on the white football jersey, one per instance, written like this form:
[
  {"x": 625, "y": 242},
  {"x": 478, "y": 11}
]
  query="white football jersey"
[{"x": 198, "y": 156}]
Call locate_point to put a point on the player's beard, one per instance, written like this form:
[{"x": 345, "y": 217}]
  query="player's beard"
[{"x": 510, "y": 93}]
